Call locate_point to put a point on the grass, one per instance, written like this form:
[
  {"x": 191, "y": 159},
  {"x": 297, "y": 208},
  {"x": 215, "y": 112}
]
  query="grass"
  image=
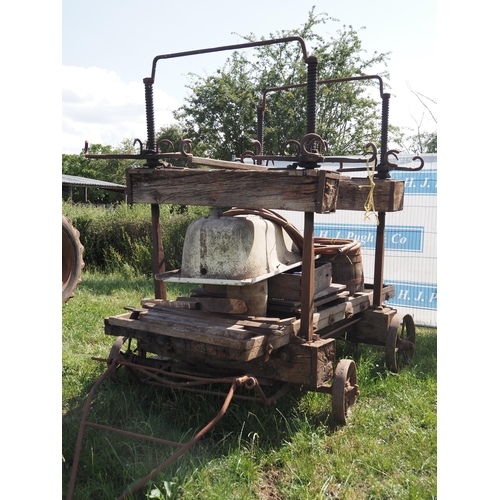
[{"x": 388, "y": 449}]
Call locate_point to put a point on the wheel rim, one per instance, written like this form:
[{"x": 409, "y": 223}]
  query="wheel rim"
[
  {"x": 408, "y": 338},
  {"x": 344, "y": 390},
  {"x": 116, "y": 348},
  {"x": 114, "y": 352},
  {"x": 400, "y": 342}
]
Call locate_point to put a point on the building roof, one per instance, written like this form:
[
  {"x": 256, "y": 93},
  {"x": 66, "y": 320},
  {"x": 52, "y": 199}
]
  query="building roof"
[{"x": 74, "y": 180}]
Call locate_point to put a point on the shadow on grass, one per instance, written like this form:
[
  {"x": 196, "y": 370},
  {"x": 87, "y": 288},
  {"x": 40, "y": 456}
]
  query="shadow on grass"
[
  {"x": 423, "y": 364},
  {"x": 110, "y": 462},
  {"x": 167, "y": 414},
  {"x": 115, "y": 461}
]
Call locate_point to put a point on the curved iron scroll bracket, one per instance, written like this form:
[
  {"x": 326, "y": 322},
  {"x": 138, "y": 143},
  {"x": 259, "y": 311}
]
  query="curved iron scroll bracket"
[
  {"x": 141, "y": 149},
  {"x": 395, "y": 166},
  {"x": 309, "y": 151}
]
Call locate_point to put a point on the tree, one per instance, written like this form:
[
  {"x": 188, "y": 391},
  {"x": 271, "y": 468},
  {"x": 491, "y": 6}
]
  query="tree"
[
  {"x": 220, "y": 111},
  {"x": 110, "y": 170},
  {"x": 414, "y": 143},
  {"x": 175, "y": 133},
  {"x": 417, "y": 141}
]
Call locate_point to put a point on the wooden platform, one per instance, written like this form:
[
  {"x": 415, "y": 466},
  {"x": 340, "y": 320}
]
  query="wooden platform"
[
  {"x": 266, "y": 347},
  {"x": 195, "y": 334},
  {"x": 180, "y": 327}
]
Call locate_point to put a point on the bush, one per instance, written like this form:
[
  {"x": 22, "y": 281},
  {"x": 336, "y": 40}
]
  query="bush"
[{"x": 118, "y": 238}]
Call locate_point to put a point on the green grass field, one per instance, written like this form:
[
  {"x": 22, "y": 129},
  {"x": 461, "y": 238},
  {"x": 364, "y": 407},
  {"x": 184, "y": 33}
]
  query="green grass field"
[{"x": 293, "y": 450}]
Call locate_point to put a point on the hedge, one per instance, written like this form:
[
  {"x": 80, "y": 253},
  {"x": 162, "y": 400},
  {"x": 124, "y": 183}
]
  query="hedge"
[{"x": 118, "y": 238}]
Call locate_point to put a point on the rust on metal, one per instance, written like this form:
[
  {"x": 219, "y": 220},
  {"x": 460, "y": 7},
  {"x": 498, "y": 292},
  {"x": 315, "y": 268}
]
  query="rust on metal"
[
  {"x": 308, "y": 349},
  {"x": 189, "y": 383}
]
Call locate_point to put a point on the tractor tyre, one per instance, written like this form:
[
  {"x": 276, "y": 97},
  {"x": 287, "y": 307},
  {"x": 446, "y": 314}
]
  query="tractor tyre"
[{"x": 72, "y": 259}]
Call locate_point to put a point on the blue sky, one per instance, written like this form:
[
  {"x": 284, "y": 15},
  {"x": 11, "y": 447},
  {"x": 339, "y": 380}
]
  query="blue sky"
[{"x": 108, "y": 48}]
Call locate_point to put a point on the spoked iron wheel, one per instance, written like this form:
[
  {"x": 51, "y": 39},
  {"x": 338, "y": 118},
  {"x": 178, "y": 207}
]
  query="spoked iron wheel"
[
  {"x": 400, "y": 342},
  {"x": 344, "y": 390}
]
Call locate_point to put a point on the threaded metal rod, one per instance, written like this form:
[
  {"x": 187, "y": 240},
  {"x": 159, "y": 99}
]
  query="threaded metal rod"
[
  {"x": 312, "y": 90},
  {"x": 383, "y": 171},
  {"x": 260, "y": 129},
  {"x": 150, "y": 116}
]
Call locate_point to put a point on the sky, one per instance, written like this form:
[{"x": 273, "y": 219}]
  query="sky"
[{"x": 108, "y": 48}]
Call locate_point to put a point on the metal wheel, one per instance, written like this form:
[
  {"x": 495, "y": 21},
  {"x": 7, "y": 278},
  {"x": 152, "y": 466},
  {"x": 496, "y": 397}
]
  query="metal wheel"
[
  {"x": 344, "y": 390},
  {"x": 115, "y": 352},
  {"x": 400, "y": 342}
]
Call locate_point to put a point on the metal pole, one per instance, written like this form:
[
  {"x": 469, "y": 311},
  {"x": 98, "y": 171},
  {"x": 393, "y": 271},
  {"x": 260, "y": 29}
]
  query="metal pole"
[
  {"x": 307, "y": 287},
  {"x": 260, "y": 129},
  {"x": 158, "y": 255},
  {"x": 382, "y": 173}
]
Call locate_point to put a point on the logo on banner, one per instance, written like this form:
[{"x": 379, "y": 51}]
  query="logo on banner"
[
  {"x": 421, "y": 183},
  {"x": 397, "y": 238},
  {"x": 414, "y": 295}
]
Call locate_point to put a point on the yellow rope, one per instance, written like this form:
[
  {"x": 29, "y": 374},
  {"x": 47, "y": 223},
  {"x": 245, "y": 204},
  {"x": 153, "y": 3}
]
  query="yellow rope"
[{"x": 369, "y": 205}]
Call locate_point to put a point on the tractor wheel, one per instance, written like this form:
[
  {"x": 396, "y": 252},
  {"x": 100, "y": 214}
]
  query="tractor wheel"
[{"x": 72, "y": 259}]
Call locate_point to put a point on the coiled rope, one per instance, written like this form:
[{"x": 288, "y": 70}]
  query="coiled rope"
[{"x": 322, "y": 246}]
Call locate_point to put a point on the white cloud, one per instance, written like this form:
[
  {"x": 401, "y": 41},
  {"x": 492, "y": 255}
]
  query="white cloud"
[{"x": 98, "y": 107}]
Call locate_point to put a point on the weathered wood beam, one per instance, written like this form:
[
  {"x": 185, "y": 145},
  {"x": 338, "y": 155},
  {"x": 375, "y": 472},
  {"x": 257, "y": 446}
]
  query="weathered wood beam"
[
  {"x": 388, "y": 194},
  {"x": 300, "y": 190}
]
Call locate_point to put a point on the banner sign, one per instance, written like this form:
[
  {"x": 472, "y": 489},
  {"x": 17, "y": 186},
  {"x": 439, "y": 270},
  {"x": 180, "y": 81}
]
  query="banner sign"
[
  {"x": 400, "y": 238},
  {"x": 414, "y": 295},
  {"x": 410, "y": 257},
  {"x": 421, "y": 183}
]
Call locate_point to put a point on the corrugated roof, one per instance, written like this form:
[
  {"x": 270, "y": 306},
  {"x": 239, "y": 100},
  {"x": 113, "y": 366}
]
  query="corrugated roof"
[{"x": 74, "y": 180}]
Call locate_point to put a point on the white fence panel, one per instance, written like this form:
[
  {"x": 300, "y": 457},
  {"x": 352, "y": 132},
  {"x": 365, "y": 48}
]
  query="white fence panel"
[{"x": 410, "y": 240}]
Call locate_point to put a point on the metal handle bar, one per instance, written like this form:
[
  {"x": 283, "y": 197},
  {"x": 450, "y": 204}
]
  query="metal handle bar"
[
  {"x": 229, "y": 47},
  {"x": 322, "y": 82}
]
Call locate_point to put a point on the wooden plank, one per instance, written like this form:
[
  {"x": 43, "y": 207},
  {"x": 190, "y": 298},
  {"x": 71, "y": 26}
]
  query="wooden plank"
[
  {"x": 374, "y": 324},
  {"x": 388, "y": 194},
  {"x": 174, "y": 303},
  {"x": 181, "y": 348},
  {"x": 309, "y": 365},
  {"x": 222, "y": 325},
  {"x": 196, "y": 327},
  {"x": 294, "y": 306},
  {"x": 181, "y": 327},
  {"x": 331, "y": 315},
  {"x": 353, "y": 305},
  {"x": 209, "y": 162},
  {"x": 288, "y": 285},
  {"x": 195, "y": 336},
  {"x": 217, "y": 304},
  {"x": 219, "y": 320},
  {"x": 219, "y": 325},
  {"x": 273, "y": 189},
  {"x": 190, "y": 312}
]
